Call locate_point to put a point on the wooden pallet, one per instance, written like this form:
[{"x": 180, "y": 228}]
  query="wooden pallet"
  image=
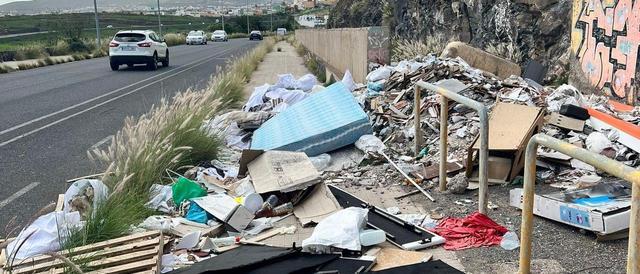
[{"x": 138, "y": 253}]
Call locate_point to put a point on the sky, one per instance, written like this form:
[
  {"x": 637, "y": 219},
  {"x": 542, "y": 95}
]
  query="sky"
[{"x": 2, "y": 2}]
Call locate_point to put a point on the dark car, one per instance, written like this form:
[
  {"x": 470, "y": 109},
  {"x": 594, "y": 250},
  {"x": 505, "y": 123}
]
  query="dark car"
[{"x": 255, "y": 35}]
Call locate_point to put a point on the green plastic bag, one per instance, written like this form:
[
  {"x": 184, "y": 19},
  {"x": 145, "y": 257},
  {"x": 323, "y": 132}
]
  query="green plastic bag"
[{"x": 185, "y": 189}]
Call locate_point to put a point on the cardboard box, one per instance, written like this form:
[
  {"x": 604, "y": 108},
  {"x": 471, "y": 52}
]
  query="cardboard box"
[
  {"x": 320, "y": 204},
  {"x": 605, "y": 218},
  {"x": 282, "y": 171},
  {"x": 510, "y": 128}
]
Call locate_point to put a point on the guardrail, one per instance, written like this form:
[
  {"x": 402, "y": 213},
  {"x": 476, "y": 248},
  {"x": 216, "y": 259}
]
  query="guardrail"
[
  {"x": 601, "y": 162},
  {"x": 444, "y": 119}
]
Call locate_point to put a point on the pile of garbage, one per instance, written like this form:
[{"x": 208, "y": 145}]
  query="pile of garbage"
[{"x": 295, "y": 144}]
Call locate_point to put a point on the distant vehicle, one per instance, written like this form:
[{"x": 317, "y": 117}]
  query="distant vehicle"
[
  {"x": 138, "y": 47},
  {"x": 281, "y": 31},
  {"x": 255, "y": 35},
  {"x": 219, "y": 35},
  {"x": 196, "y": 37},
  {"x": 110, "y": 26}
]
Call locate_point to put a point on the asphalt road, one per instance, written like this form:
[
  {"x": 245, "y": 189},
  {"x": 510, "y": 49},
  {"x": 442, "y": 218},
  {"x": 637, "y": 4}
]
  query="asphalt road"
[{"x": 51, "y": 116}]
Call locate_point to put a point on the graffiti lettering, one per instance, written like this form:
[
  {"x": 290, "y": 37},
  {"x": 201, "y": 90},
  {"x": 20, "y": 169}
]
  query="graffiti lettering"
[{"x": 606, "y": 41}]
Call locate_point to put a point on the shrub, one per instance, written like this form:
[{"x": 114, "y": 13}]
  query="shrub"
[
  {"x": 26, "y": 66},
  {"x": 61, "y": 48},
  {"x": 5, "y": 69},
  {"x": 78, "y": 57},
  {"x": 50, "y": 61},
  {"x": 403, "y": 49},
  {"x": 238, "y": 35},
  {"x": 173, "y": 39},
  {"x": 32, "y": 51},
  {"x": 78, "y": 46}
]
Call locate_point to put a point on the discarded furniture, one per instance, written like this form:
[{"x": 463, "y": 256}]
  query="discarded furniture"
[{"x": 599, "y": 161}]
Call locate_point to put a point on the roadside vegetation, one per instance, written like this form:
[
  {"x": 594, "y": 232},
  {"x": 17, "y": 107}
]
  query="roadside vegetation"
[
  {"x": 406, "y": 49},
  {"x": 169, "y": 137},
  {"x": 313, "y": 64}
]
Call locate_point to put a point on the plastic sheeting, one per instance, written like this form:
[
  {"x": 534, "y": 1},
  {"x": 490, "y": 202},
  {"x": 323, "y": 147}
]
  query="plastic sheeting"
[
  {"x": 44, "y": 235},
  {"x": 92, "y": 191},
  {"x": 475, "y": 230},
  {"x": 341, "y": 230}
]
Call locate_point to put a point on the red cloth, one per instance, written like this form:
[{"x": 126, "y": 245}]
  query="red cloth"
[{"x": 475, "y": 230}]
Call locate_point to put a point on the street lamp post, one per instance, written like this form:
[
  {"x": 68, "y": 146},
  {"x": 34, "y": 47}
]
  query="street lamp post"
[
  {"x": 271, "y": 12},
  {"x": 95, "y": 10},
  {"x": 159, "y": 23},
  {"x": 248, "y": 17}
]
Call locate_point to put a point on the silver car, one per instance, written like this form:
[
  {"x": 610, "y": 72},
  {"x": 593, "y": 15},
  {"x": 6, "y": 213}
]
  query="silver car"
[
  {"x": 219, "y": 35},
  {"x": 196, "y": 37}
]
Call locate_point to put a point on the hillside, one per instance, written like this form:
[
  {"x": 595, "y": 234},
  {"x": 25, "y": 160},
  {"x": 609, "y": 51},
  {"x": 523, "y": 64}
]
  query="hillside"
[{"x": 37, "y": 6}]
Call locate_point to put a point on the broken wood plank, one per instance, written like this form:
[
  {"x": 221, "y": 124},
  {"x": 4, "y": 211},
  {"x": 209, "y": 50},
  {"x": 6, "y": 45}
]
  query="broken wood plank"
[
  {"x": 390, "y": 257},
  {"x": 60, "y": 203},
  {"x": 128, "y": 268}
]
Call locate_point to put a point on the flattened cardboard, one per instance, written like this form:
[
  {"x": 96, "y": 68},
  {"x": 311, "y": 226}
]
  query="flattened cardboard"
[
  {"x": 607, "y": 218},
  {"x": 510, "y": 125},
  {"x": 390, "y": 257},
  {"x": 247, "y": 156},
  {"x": 320, "y": 204},
  {"x": 282, "y": 171},
  {"x": 510, "y": 128},
  {"x": 433, "y": 171},
  {"x": 566, "y": 122},
  {"x": 225, "y": 209}
]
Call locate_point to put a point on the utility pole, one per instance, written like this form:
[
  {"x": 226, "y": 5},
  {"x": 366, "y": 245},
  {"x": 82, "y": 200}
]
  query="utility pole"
[
  {"x": 223, "y": 12},
  {"x": 159, "y": 23},
  {"x": 95, "y": 10},
  {"x": 248, "y": 31},
  {"x": 271, "y": 12}
]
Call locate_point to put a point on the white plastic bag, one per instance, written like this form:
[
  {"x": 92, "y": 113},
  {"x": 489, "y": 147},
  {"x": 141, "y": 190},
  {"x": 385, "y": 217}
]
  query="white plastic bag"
[
  {"x": 321, "y": 161},
  {"x": 44, "y": 235},
  {"x": 369, "y": 143},
  {"x": 257, "y": 96},
  {"x": 341, "y": 230},
  {"x": 286, "y": 81},
  {"x": 510, "y": 241},
  {"x": 162, "y": 223},
  {"x": 93, "y": 192},
  {"x": 347, "y": 80},
  {"x": 306, "y": 82},
  {"x": 597, "y": 142},
  {"x": 161, "y": 196},
  {"x": 379, "y": 74}
]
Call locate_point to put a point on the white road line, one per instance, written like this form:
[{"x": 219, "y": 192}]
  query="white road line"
[
  {"x": 100, "y": 104},
  {"x": 17, "y": 195},
  {"x": 106, "y": 94},
  {"x": 101, "y": 142}
]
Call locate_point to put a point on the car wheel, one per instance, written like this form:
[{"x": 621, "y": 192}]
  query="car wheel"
[
  {"x": 114, "y": 65},
  {"x": 165, "y": 61},
  {"x": 153, "y": 64}
]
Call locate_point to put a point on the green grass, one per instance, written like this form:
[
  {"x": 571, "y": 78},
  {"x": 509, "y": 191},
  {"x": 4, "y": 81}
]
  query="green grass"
[{"x": 310, "y": 61}]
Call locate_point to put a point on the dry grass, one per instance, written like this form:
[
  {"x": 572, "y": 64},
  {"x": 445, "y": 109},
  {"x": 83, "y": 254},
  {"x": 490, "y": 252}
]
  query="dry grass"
[
  {"x": 403, "y": 49},
  {"x": 173, "y": 39},
  {"x": 508, "y": 51}
]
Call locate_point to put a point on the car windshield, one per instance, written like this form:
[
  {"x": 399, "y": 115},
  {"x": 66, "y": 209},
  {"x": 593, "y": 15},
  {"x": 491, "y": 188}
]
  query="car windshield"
[
  {"x": 218, "y": 32},
  {"x": 195, "y": 33},
  {"x": 130, "y": 37},
  {"x": 255, "y": 32}
]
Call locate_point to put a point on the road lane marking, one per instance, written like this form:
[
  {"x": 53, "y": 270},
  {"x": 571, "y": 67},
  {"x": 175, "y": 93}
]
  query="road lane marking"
[
  {"x": 106, "y": 94},
  {"x": 100, "y": 143},
  {"x": 103, "y": 103},
  {"x": 17, "y": 195}
]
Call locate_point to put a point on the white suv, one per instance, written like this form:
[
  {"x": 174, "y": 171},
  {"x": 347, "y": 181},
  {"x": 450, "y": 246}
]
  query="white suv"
[{"x": 138, "y": 47}]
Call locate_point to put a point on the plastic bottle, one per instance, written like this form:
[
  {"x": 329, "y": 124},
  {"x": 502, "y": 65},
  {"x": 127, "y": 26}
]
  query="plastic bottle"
[
  {"x": 369, "y": 237},
  {"x": 510, "y": 241}
]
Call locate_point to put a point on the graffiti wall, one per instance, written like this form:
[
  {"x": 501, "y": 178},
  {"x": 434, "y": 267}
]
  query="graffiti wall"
[{"x": 605, "y": 40}]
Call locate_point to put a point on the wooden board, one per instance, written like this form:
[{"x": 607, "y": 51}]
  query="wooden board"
[
  {"x": 135, "y": 253},
  {"x": 392, "y": 257}
]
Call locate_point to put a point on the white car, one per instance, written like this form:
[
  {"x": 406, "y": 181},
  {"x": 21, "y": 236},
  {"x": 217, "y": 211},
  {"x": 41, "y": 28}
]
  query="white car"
[
  {"x": 196, "y": 37},
  {"x": 138, "y": 47},
  {"x": 219, "y": 35},
  {"x": 281, "y": 31}
]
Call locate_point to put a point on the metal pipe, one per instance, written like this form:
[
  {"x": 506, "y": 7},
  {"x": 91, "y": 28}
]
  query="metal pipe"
[
  {"x": 408, "y": 178},
  {"x": 598, "y": 161},
  {"x": 444, "y": 136},
  {"x": 483, "y": 112},
  {"x": 416, "y": 118}
]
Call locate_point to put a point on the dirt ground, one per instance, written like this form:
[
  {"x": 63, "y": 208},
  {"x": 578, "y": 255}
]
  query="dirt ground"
[{"x": 557, "y": 248}]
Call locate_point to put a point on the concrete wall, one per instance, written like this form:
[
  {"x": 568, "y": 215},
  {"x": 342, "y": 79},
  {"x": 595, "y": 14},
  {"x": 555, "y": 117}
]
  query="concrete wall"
[
  {"x": 605, "y": 41},
  {"x": 347, "y": 49},
  {"x": 481, "y": 59}
]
